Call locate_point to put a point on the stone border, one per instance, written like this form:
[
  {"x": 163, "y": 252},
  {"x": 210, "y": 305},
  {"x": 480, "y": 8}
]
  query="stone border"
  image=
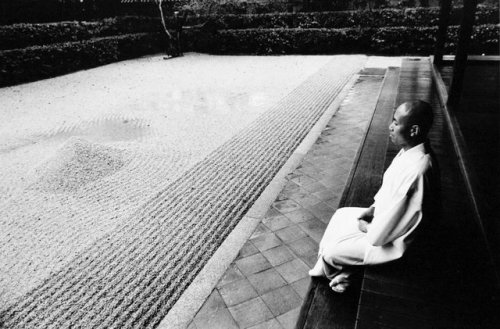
[{"x": 198, "y": 291}]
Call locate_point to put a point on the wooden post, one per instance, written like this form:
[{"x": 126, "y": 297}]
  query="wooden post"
[
  {"x": 460, "y": 63},
  {"x": 444, "y": 19}
]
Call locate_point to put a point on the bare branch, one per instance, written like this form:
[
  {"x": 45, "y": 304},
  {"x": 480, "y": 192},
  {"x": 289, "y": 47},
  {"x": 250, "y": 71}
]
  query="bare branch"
[{"x": 160, "y": 2}]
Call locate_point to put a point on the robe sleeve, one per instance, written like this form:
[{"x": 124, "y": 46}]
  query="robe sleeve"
[{"x": 403, "y": 212}]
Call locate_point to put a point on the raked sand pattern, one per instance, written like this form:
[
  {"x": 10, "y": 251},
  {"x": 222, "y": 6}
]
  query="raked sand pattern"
[
  {"x": 81, "y": 153},
  {"x": 138, "y": 267}
]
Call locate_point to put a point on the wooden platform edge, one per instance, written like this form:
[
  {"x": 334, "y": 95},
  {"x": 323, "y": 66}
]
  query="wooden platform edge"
[
  {"x": 466, "y": 169},
  {"x": 386, "y": 97},
  {"x": 375, "y": 138},
  {"x": 475, "y": 58}
]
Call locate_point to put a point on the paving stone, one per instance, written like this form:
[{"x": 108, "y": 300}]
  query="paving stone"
[
  {"x": 266, "y": 280},
  {"x": 293, "y": 175},
  {"x": 277, "y": 222},
  {"x": 307, "y": 163},
  {"x": 289, "y": 319},
  {"x": 308, "y": 170},
  {"x": 193, "y": 326},
  {"x": 213, "y": 314},
  {"x": 286, "y": 206},
  {"x": 321, "y": 211},
  {"x": 248, "y": 249},
  {"x": 300, "y": 215},
  {"x": 282, "y": 300},
  {"x": 298, "y": 193},
  {"x": 221, "y": 319},
  {"x": 314, "y": 187},
  {"x": 251, "y": 312},
  {"x": 266, "y": 241},
  {"x": 337, "y": 182},
  {"x": 282, "y": 196},
  {"x": 314, "y": 228},
  {"x": 325, "y": 194},
  {"x": 232, "y": 274},
  {"x": 290, "y": 233},
  {"x": 303, "y": 180},
  {"x": 278, "y": 255},
  {"x": 304, "y": 247},
  {"x": 271, "y": 324},
  {"x": 305, "y": 199},
  {"x": 341, "y": 162},
  {"x": 253, "y": 264},
  {"x": 310, "y": 260},
  {"x": 301, "y": 286},
  {"x": 272, "y": 212},
  {"x": 259, "y": 230},
  {"x": 290, "y": 186},
  {"x": 321, "y": 162},
  {"x": 213, "y": 303},
  {"x": 237, "y": 292},
  {"x": 293, "y": 271}
]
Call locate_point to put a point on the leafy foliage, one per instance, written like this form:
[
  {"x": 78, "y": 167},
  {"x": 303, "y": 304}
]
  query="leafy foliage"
[
  {"x": 386, "y": 40},
  {"x": 27, "y": 35},
  {"x": 39, "y": 62},
  {"x": 344, "y": 19}
]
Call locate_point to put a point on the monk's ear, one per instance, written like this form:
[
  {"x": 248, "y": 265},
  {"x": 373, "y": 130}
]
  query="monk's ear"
[{"x": 415, "y": 130}]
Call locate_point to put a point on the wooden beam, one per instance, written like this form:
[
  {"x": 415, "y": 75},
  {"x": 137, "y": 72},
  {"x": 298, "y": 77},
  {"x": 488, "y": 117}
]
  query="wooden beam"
[
  {"x": 464, "y": 36},
  {"x": 444, "y": 20}
]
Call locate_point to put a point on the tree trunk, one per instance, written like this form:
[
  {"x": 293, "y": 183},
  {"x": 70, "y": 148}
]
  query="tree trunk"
[
  {"x": 460, "y": 63},
  {"x": 444, "y": 19}
]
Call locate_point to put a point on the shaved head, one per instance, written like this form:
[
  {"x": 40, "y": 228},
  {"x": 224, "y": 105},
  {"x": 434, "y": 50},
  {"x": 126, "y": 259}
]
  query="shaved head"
[
  {"x": 410, "y": 124},
  {"x": 419, "y": 113}
]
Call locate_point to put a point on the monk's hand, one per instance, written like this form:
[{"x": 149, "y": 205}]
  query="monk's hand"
[
  {"x": 367, "y": 214},
  {"x": 363, "y": 225}
]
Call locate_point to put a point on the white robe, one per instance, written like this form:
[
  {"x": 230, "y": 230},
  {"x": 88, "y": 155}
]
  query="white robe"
[{"x": 399, "y": 210}]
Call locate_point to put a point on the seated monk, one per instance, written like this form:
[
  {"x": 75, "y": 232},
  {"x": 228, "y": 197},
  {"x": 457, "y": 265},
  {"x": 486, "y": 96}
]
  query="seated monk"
[{"x": 402, "y": 207}]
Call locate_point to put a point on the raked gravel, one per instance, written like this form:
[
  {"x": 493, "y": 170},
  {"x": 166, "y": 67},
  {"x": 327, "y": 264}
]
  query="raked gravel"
[
  {"x": 82, "y": 152},
  {"x": 108, "y": 232}
]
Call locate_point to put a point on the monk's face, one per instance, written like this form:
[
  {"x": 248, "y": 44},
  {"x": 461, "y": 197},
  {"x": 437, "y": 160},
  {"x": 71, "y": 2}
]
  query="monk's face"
[{"x": 399, "y": 130}]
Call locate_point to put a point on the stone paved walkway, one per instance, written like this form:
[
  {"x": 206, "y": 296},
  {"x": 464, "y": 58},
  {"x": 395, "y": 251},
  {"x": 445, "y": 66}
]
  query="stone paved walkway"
[{"x": 265, "y": 285}]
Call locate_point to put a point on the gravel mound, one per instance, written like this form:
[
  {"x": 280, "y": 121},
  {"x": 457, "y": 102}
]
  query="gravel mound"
[{"x": 77, "y": 164}]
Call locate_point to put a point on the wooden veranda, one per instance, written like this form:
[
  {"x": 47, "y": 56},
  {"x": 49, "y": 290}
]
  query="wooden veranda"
[{"x": 454, "y": 281}]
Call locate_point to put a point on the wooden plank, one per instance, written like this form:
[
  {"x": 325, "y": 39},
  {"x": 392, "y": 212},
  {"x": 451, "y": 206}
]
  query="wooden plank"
[
  {"x": 468, "y": 172},
  {"x": 322, "y": 308},
  {"x": 330, "y": 310},
  {"x": 486, "y": 58},
  {"x": 429, "y": 289}
]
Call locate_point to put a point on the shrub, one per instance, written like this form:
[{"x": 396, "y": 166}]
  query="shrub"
[
  {"x": 344, "y": 19},
  {"x": 27, "y": 35},
  {"x": 39, "y": 62},
  {"x": 387, "y": 40}
]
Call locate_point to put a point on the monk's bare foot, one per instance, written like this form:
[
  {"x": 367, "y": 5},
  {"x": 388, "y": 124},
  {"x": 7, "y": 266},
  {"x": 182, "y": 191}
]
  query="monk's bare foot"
[
  {"x": 340, "y": 283},
  {"x": 317, "y": 270}
]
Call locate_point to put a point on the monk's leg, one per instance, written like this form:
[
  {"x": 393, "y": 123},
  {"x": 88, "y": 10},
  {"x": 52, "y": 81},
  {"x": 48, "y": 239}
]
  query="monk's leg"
[
  {"x": 343, "y": 259},
  {"x": 340, "y": 226}
]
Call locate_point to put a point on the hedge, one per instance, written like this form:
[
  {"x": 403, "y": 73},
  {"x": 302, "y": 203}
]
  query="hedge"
[
  {"x": 39, "y": 62},
  {"x": 26, "y": 35},
  {"x": 388, "y": 41},
  {"x": 344, "y": 19}
]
